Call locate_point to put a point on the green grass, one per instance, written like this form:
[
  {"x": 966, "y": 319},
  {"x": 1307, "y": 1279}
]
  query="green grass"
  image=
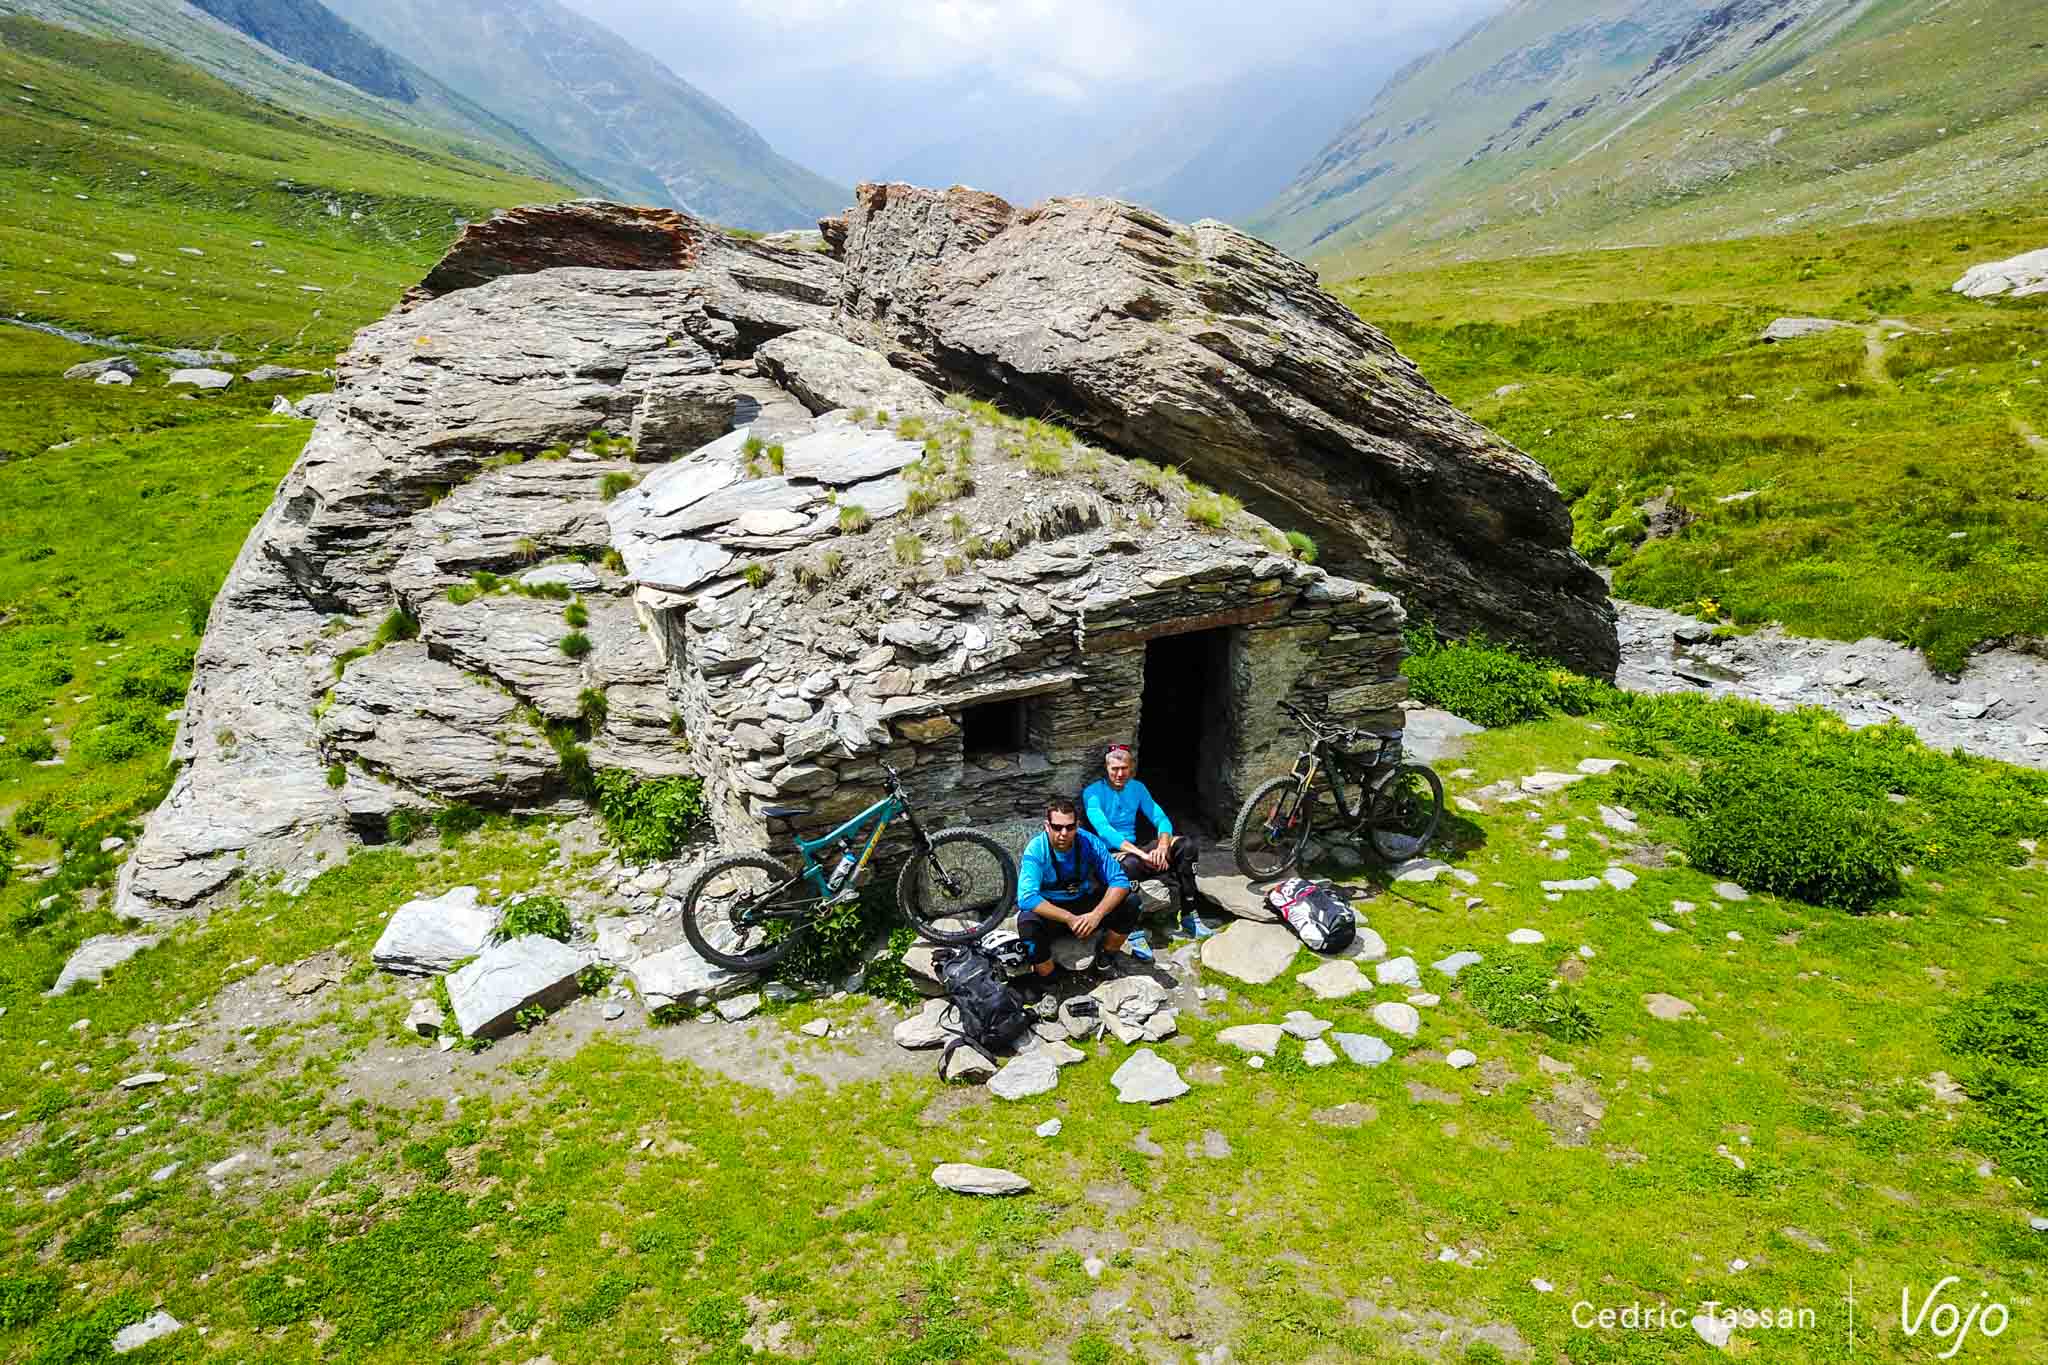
[
  {"x": 1895, "y": 491},
  {"x": 120, "y": 148}
]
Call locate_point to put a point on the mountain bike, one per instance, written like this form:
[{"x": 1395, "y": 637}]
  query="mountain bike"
[
  {"x": 744, "y": 911},
  {"x": 1398, "y": 806}
]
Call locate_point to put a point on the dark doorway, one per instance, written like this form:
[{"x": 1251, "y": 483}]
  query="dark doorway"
[{"x": 1187, "y": 729}]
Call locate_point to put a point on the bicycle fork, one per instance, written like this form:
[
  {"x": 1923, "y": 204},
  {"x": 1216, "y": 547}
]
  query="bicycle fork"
[{"x": 1275, "y": 826}]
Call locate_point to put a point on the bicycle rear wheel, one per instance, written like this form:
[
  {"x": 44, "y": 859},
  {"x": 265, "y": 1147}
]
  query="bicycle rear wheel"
[
  {"x": 959, "y": 888},
  {"x": 1405, "y": 812},
  {"x": 744, "y": 910},
  {"x": 1272, "y": 829}
]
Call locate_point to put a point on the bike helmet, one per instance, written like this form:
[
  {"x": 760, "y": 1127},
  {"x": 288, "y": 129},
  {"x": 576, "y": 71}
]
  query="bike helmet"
[{"x": 1009, "y": 951}]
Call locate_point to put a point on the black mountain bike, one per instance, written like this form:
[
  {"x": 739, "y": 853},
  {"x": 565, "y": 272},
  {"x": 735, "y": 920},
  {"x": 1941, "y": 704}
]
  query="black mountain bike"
[
  {"x": 744, "y": 910},
  {"x": 1398, "y": 805}
]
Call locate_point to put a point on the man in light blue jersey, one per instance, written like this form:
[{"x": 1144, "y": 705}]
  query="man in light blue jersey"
[
  {"x": 1124, "y": 816},
  {"x": 1068, "y": 882}
]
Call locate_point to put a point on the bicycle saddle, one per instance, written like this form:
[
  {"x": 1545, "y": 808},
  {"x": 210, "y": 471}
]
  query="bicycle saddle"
[{"x": 783, "y": 812}]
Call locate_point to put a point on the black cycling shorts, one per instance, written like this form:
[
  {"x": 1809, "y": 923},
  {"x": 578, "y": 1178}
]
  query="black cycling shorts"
[{"x": 1039, "y": 933}]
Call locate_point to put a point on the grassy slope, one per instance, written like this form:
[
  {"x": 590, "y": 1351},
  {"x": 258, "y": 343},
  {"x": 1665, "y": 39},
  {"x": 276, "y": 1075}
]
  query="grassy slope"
[
  {"x": 1870, "y": 453},
  {"x": 1903, "y": 114},
  {"x": 117, "y": 148},
  {"x": 121, "y": 508}
]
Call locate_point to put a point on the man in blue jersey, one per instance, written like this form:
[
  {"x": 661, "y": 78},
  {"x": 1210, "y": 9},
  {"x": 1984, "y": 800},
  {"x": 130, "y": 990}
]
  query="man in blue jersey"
[
  {"x": 1124, "y": 815},
  {"x": 1067, "y": 882}
]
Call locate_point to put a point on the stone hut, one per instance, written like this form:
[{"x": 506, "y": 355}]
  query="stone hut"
[{"x": 1003, "y": 600}]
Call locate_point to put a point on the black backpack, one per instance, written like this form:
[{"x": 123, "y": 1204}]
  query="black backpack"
[
  {"x": 1315, "y": 914},
  {"x": 991, "y": 1015}
]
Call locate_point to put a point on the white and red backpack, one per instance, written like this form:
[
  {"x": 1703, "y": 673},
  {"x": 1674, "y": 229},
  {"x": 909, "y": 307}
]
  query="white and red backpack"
[{"x": 1315, "y": 913}]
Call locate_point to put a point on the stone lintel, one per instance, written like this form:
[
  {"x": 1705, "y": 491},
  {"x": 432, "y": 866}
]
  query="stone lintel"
[{"x": 1271, "y": 609}]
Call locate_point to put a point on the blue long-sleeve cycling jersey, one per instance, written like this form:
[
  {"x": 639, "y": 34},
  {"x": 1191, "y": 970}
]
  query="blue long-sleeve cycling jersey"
[
  {"x": 1114, "y": 814},
  {"x": 1084, "y": 872}
]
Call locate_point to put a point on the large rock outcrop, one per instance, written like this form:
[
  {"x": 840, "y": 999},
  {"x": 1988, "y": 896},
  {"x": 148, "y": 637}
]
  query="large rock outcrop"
[
  {"x": 1207, "y": 349},
  {"x": 356, "y": 663}
]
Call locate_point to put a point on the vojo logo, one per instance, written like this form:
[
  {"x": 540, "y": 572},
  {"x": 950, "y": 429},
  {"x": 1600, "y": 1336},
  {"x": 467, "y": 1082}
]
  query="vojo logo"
[{"x": 1943, "y": 1320}]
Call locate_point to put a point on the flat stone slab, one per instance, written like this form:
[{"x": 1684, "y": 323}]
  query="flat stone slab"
[
  {"x": 574, "y": 577},
  {"x": 1240, "y": 898},
  {"x": 1335, "y": 980},
  {"x": 532, "y": 970},
  {"x": 1395, "y": 1017},
  {"x": 679, "y": 976},
  {"x": 1525, "y": 937},
  {"x": 925, "y": 1029},
  {"x": 137, "y": 1335},
  {"x": 1398, "y": 971},
  {"x": 97, "y": 956},
  {"x": 1457, "y": 962},
  {"x": 1316, "y": 1052},
  {"x": 843, "y": 455},
  {"x": 1250, "y": 951},
  {"x": 1302, "y": 1024},
  {"x": 201, "y": 379},
  {"x": 1667, "y": 1007},
  {"x": 1538, "y": 783},
  {"x": 1264, "y": 1039},
  {"x": 1363, "y": 1048},
  {"x": 1034, "y": 1073},
  {"x": 1147, "y": 1078},
  {"x": 961, "y": 1178},
  {"x": 429, "y": 936}
]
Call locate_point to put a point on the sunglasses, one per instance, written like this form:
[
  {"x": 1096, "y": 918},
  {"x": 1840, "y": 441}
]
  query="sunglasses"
[{"x": 1061, "y": 829}]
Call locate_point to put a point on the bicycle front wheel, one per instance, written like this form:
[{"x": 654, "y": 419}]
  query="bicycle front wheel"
[
  {"x": 1405, "y": 812},
  {"x": 1272, "y": 829},
  {"x": 957, "y": 888},
  {"x": 744, "y": 910}
]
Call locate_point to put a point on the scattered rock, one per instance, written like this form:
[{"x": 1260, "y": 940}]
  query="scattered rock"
[
  {"x": 1361, "y": 1048},
  {"x": 143, "y": 1078},
  {"x": 113, "y": 364},
  {"x": 967, "y": 1067},
  {"x": 1457, "y": 962},
  {"x": 1663, "y": 1006},
  {"x": 1729, "y": 891},
  {"x": 1460, "y": 1058},
  {"x": 1049, "y": 1129},
  {"x": 926, "y": 1028},
  {"x": 1594, "y": 767},
  {"x": 271, "y": 374},
  {"x": 1263, "y": 1039},
  {"x": 678, "y": 977},
  {"x": 738, "y": 1007},
  {"x": 1316, "y": 1052},
  {"x": 1537, "y": 784},
  {"x": 1034, "y": 1073},
  {"x": 1302, "y": 1024},
  {"x": 488, "y": 993},
  {"x": 1143, "y": 1144},
  {"x": 425, "y": 1019},
  {"x": 817, "y": 1028},
  {"x": 1418, "y": 1093},
  {"x": 1713, "y": 1329},
  {"x": 1396, "y": 1017},
  {"x": 1398, "y": 971},
  {"x": 1335, "y": 979},
  {"x": 1147, "y": 1078},
  {"x": 2016, "y": 276},
  {"x": 1620, "y": 878},
  {"x": 1251, "y": 952},
  {"x": 97, "y": 956},
  {"x": 1215, "y": 1146},
  {"x": 203, "y": 379},
  {"x": 1524, "y": 936},
  {"x": 961, "y": 1178},
  {"x": 1793, "y": 329},
  {"x": 1807, "y": 1240},
  {"x": 137, "y": 1335},
  {"x": 429, "y": 936}
]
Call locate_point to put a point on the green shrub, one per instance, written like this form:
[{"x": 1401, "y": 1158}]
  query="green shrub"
[
  {"x": 547, "y": 916},
  {"x": 27, "y": 1299},
  {"x": 613, "y": 484},
  {"x": 403, "y": 825},
  {"x": 575, "y": 644},
  {"x": 1776, "y": 825},
  {"x": 576, "y": 615},
  {"x": 593, "y": 708},
  {"x": 337, "y": 775},
  {"x": 454, "y": 821},
  {"x": 833, "y": 945},
  {"x": 1519, "y": 992},
  {"x": 595, "y": 978},
  {"x": 34, "y": 748},
  {"x": 2007, "y": 1023},
  {"x": 1494, "y": 685},
  {"x": 649, "y": 820}
]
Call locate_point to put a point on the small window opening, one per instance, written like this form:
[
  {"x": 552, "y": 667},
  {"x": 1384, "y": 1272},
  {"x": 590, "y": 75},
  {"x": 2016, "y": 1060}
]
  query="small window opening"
[{"x": 997, "y": 727}]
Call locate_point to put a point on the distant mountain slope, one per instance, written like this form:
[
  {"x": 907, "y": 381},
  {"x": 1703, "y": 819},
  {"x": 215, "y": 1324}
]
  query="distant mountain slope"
[
  {"x": 433, "y": 115},
  {"x": 1566, "y": 123},
  {"x": 309, "y": 32},
  {"x": 608, "y": 108}
]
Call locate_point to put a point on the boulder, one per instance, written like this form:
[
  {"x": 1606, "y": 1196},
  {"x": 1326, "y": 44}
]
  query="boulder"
[
  {"x": 1108, "y": 314},
  {"x": 678, "y": 976},
  {"x": 1396, "y": 1017},
  {"x": 137, "y": 1335},
  {"x": 1457, "y": 962},
  {"x": 1315, "y": 1052},
  {"x": 826, "y": 371},
  {"x": 113, "y": 364},
  {"x": 966, "y": 1067},
  {"x": 1398, "y": 971},
  {"x": 114, "y": 379},
  {"x": 680, "y": 412},
  {"x": 1250, "y": 951},
  {"x": 202, "y": 379},
  {"x": 1302, "y": 1024},
  {"x": 925, "y": 1029},
  {"x": 98, "y": 955},
  {"x": 532, "y": 970},
  {"x": 271, "y": 374},
  {"x": 961, "y": 1178},
  {"x": 429, "y": 936},
  {"x": 2016, "y": 276},
  {"x": 1147, "y": 1078},
  {"x": 436, "y": 729}
]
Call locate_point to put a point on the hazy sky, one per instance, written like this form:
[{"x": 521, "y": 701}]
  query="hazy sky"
[{"x": 849, "y": 87}]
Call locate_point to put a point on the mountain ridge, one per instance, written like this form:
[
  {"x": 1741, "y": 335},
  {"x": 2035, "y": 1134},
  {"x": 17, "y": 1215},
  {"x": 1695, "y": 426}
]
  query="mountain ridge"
[{"x": 1586, "y": 123}]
